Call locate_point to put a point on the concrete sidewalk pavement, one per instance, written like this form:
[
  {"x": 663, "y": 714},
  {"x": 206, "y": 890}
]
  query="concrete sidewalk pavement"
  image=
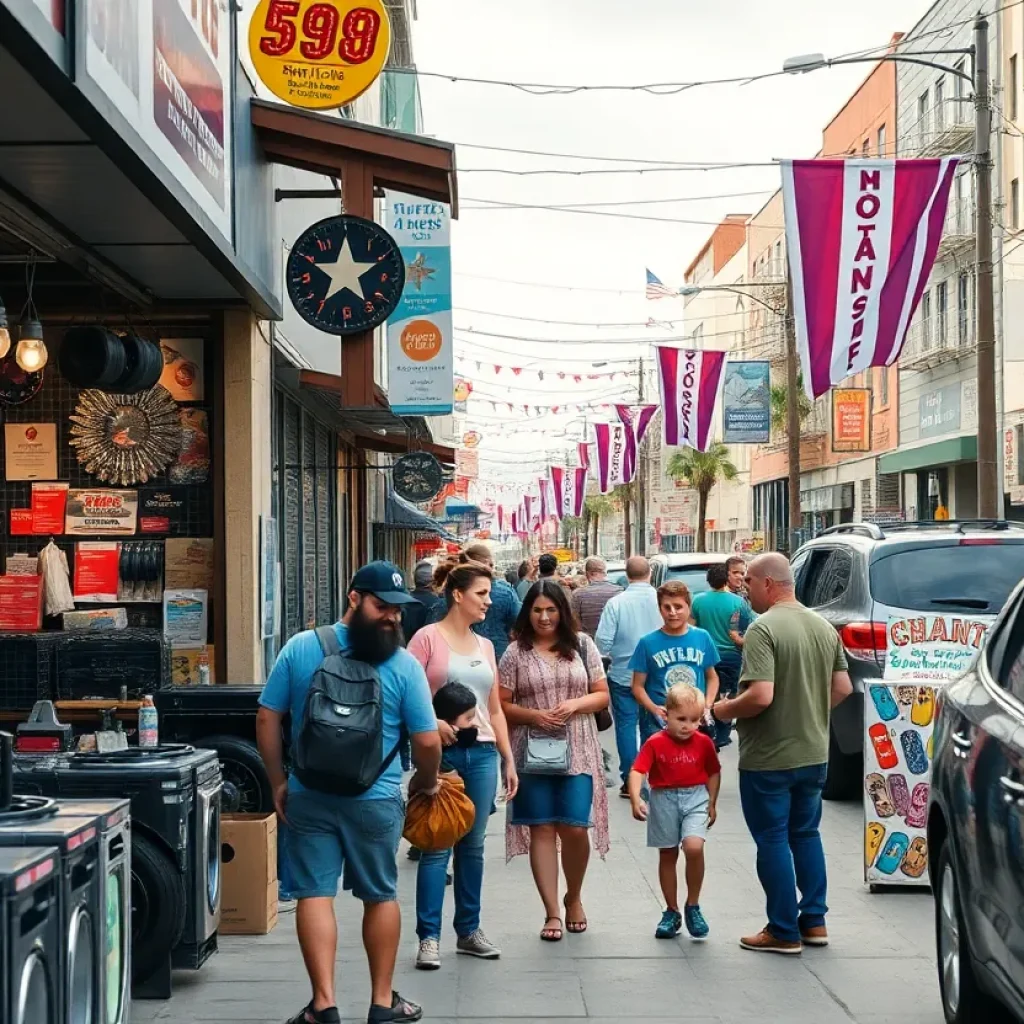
[{"x": 878, "y": 969}]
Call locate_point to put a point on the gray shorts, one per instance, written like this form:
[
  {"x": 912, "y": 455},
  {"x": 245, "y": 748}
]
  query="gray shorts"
[{"x": 676, "y": 814}]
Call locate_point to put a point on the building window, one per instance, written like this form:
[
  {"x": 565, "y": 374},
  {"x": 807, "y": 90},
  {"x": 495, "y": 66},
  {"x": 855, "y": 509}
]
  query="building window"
[
  {"x": 1011, "y": 88},
  {"x": 1015, "y": 204},
  {"x": 956, "y": 221},
  {"x": 926, "y": 321},
  {"x": 883, "y": 391},
  {"x": 940, "y": 104},
  {"x": 941, "y": 310},
  {"x": 881, "y": 141},
  {"x": 865, "y": 148},
  {"x": 922, "y": 117},
  {"x": 963, "y": 305}
]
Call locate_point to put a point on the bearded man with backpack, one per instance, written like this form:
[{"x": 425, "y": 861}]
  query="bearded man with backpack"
[{"x": 351, "y": 690}]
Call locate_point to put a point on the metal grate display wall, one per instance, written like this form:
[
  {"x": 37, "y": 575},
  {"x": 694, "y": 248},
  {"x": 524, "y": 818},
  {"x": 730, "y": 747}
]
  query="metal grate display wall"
[{"x": 305, "y": 502}]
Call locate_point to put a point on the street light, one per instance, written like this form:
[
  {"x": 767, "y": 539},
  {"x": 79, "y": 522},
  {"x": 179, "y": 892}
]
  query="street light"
[
  {"x": 989, "y": 491},
  {"x": 689, "y": 290}
]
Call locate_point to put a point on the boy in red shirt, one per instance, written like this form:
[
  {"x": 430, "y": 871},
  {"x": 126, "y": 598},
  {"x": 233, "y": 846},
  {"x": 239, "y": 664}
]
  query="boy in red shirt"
[{"x": 684, "y": 776}]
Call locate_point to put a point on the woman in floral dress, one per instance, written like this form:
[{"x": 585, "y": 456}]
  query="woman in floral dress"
[{"x": 546, "y": 686}]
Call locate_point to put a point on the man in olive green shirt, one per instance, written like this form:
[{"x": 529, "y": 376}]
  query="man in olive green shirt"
[{"x": 793, "y": 674}]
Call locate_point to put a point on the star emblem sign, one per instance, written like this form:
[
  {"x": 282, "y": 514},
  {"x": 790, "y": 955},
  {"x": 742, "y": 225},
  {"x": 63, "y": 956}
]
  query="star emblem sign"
[
  {"x": 418, "y": 271},
  {"x": 345, "y": 272}
]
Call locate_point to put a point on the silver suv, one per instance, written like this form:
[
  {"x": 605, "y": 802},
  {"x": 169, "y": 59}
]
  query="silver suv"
[{"x": 858, "y": 574}]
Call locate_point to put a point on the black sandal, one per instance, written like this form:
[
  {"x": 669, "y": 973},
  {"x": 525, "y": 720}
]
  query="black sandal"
[
  {"x": 307, "y": 1015},
  {"x": 399, "y": 1010},
  {"x": 579, "y": 926},
  {"x": 551, "y": 934}
]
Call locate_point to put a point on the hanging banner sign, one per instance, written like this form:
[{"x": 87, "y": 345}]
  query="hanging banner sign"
[
  {"x": 746, "y": 403},
  {"x": 635, "y": 420},
  {"x": 931, "y": 646},
  {"x": 421, "y": 359},
  {"x": 862, "y": 238},
  {"x": 851, "y": 420},
  {"x": 689, "y": 390},
  {"x": 569, "y": 490},
  {"x": 467, "y": 463},
  {"x": 319, "y": 54},
  {"x": 611, "y": 456}
]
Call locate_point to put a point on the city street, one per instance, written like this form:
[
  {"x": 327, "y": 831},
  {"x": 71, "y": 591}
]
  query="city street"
[{"x": 879, "y": 967}]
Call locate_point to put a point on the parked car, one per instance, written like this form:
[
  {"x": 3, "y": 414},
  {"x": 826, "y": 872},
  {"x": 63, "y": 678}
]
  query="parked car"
[
  {"x": 691, "y": 568},
  {"x": 617, "y": 573},
  {"x": 858, "y": 574},
  {"x": 976, "y": 829}
]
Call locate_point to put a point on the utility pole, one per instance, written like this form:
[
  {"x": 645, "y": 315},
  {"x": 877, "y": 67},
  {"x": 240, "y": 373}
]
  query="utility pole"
[
  {"x": 641, "y": 478},
  {"x": 989, "y": 499},
  {"x": 792, "y": 417}
]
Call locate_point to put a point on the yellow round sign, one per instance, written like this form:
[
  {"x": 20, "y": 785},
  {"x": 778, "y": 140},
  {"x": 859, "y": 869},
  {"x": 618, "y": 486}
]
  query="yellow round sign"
[{"x": 319, "y": 54}]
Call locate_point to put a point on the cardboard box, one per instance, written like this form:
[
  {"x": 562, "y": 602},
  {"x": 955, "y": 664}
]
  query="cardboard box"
[{"x": 248, "y": 903}]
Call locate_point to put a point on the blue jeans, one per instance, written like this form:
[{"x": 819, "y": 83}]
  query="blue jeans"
[
  {"x": 728, "y": 669},
  {"x": 478, "y": 767},
  {"x": 783, "y": 812},
  {"x": 625, "y": 713}
]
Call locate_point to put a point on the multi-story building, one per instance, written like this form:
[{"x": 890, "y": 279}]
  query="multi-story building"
[{"x": 937, "y": 453}]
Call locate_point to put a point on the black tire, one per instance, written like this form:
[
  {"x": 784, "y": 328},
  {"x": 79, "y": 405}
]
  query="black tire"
[
  {"x": 953, "y": 954},
  {"x": 845, "y": 773},
  {"x": 158, "y": 906},
  {"x": 246, "y": 783}
]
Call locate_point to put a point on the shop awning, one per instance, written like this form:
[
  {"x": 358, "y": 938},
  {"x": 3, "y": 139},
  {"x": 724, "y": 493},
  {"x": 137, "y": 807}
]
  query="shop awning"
[
  {"x": 938, "y": 453},
  {"x": 400, "y": 515}
]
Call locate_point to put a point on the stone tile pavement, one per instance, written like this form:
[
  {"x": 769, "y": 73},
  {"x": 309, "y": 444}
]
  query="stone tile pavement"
[{"x": 879, "y": 968}]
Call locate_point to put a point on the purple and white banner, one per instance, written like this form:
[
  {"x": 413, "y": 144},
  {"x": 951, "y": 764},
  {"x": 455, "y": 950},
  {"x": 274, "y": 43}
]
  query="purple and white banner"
[
  {"x": 584, "y": 454},
  {"x": 545, "y": 499},
  {"x": 501, "y": 520},
  {"x": 862, "y": 238},
  {"x": 689, "y": 390},
  {"x": 635, "y": 419},
  {"x": 611, "y": 455},
  {"x": 569, "y": 490}
]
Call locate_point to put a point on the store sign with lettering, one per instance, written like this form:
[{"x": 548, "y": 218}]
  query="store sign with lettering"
[
  {"x": 101, "y": 513},
  {"x": 931, "y": 646},
  {"x": 319, "y": 54}
]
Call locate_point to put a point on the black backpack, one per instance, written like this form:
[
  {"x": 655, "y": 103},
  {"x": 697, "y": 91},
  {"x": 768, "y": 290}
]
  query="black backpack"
[{"x": 340, "y": 746}]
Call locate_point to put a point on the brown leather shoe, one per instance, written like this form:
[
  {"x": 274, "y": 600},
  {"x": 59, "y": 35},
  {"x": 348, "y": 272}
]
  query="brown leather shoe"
[
  {"x": 765, "y": 942},
  {"x": 814, "y": 936}
]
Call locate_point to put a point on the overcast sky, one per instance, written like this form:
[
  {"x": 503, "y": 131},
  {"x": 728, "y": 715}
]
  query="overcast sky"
[{"x": 611, "y": 42}]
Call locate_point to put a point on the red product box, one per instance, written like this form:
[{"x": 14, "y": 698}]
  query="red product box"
[
  {"x": 21, "y": 522},
  {"x": 21, "y": 604}
]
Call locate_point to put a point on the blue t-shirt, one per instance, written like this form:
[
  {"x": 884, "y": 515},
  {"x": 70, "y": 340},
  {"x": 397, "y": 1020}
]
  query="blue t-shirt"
[
  {"x": 404, "y": 691},
  {"x": 668, "y": 660},
  {"x": 719, "y": 611}
]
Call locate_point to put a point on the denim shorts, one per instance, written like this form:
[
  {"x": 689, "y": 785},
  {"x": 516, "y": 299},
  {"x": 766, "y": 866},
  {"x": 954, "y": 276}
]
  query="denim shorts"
[
  {"x": 553, "y": 800},
  {"x": 676, "y": 814},
  {"x": 331, "y": 838}
]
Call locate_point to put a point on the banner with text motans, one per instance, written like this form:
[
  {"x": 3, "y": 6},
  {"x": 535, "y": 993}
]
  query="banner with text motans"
[
  {"x": 421, "y": 357},
  {"x": 635, "y": 419},
  {"x": 610, "y": 442},
  {"x": 862, "y": 237},
  {"x": 689, "y": 390}
]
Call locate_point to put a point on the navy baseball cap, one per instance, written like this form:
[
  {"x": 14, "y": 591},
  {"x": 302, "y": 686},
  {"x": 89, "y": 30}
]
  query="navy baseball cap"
[{"x": 384, "y": 581}]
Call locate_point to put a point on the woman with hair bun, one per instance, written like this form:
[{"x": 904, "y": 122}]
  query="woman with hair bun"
[
  {"x": 451, "y": 652},
  {"x": 500, "y": 620}
]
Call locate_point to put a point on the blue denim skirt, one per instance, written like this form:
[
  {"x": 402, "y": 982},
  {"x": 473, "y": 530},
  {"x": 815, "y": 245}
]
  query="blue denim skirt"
[{"x": 554, "y": 800}]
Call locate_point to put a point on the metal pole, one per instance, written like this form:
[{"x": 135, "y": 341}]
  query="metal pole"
[
  {"x": 988, "y": 476},
  {"x": 792, "y": 417},
  {"x": 641, "y": 478}
]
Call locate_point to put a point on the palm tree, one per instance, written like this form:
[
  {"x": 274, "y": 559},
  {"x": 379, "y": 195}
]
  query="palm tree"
[
  {"x": 778, "y": 398},
  {"x": 594, "y": 508},
  {"x": 702, "y": 470}
]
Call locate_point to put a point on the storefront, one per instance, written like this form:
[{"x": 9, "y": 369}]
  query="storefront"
[
  {"x": 822, "y": 507},
  {"x": 940, "y": 480}
]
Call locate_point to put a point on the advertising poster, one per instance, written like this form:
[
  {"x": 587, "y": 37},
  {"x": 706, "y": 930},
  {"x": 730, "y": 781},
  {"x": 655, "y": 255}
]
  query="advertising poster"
[
  {"x": 421, "y": 358},
  {"x": 851, "y": 420},
  {"x": 183, "y": 368},
  {"x": 162, "y": 509},
  {"x": 931, "y": 646},
  {"x": 897, "y": 776},
  {"x": 30, "y": 451},
  {"x": 49, "y": 503},
  {"x": 746, "y": 403},
  {"x": 185, "y": 618},
  {"x": 166, "y": 67},
  {"x": 96, "y": 571},
  {"x": 467, "y": 463},
  {"x": 101, "y": 513}
]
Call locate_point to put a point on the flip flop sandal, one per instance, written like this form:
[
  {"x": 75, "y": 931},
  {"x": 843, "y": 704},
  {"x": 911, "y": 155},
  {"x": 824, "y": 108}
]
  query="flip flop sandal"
[
  {"x": 399, "y": 1010},
  {"x": 575, "y": 927},
  {"x": 551, "y": 934}
]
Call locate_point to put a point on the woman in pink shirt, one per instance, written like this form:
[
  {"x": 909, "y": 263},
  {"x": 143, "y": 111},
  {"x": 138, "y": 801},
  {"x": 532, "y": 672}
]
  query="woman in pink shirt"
[{"x": 451, "y": 652}]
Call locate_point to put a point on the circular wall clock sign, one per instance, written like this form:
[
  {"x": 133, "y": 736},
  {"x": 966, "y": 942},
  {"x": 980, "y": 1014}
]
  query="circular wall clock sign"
[
  {"x": 345, "y": 275},
  {"x": 417, "y": 476}
]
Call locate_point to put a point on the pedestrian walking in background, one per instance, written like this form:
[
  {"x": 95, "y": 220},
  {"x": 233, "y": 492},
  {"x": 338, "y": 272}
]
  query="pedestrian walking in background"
[
  {"x": 527, "y": 577},
  {"x": 588, "y": 601},
  {"x": 360, "y": 833},
  {"x": 552, "y": 685},
  {"x": 625, "y": 620},
  {"x": 450, "y": 652},
  {"x": 793, "y": 674},
  {"x": 726, "y": 616},
  {"x": 736, "y": 567},
  {"x": 503, "y": 610},
  {"x": 682, "y": 769},
  {"x": 417, "y": 614},
  {"x": 676, "y": 653}
]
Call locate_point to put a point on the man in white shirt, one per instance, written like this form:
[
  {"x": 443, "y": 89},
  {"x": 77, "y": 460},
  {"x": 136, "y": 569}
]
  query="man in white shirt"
[{"x": 626, "y": 618}]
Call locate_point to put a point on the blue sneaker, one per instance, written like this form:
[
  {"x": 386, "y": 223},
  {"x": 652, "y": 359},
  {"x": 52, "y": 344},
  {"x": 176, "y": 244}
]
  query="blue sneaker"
[
  {"x": 668, "y": 927},
  {"x": 695, "y": 923}
]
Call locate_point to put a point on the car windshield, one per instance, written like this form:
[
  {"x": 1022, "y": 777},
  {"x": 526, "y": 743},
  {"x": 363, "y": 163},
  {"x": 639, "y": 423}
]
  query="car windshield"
[
  {"x": 694, "y": 576},
  {"x": 951, "y": 578}
]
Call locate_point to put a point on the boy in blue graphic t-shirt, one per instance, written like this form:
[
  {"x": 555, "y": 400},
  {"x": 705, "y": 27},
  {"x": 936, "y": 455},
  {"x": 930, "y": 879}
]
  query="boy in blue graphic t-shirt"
[{"x": 676, "y": 653}]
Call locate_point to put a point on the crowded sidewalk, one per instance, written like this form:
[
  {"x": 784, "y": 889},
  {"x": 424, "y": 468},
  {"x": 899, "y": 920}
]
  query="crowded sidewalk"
[{"x": 879, "y": 967}]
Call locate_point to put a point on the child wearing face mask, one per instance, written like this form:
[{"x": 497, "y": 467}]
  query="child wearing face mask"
[{"x": 455, "y": 704}]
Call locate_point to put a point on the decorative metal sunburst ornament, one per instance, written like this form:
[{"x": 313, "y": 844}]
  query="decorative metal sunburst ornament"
[{"x": 126, "y": 439}]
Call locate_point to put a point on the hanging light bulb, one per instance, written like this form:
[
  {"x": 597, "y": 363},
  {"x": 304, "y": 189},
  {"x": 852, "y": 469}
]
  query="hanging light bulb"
[
  {"x": 5, "y": 334},
  {"x": 31, "y": 354}
]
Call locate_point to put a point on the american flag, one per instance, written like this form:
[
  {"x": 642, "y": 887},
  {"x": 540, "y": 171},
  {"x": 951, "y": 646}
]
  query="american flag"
[{"x": 656, "y": 290}]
